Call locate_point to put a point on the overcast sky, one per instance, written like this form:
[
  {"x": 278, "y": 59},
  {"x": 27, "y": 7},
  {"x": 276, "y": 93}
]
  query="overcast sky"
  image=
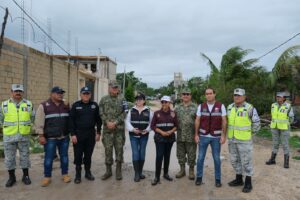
[{"x": 156, "y": 38}]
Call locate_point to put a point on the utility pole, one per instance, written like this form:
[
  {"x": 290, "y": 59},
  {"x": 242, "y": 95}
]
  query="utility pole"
[{"x": 124, "y": 77}]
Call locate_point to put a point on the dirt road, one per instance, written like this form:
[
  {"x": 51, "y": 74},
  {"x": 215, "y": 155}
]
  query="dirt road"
[{"x": 269, "y": 182}]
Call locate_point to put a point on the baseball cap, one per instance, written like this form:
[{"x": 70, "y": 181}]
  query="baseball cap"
[
  {"x": 114, "y": 84},
  {"x": 15, "y": 87},
  {"x": 280, "y": 94},
  {"x": 85, "y": 90},
  {"x": 166, "y": 98},
  {"x": 57, "y": 89},
  {"x": 140, "y": 96},
  {"x": 239, "y": 91},
  {"x": 186, "y": 90}
]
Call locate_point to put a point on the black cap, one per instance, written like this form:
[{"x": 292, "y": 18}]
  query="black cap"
[
  {"x": 140, "y": 96},
  {"x": 85, "y": 90},
  {"x": 57, "y": 89}
]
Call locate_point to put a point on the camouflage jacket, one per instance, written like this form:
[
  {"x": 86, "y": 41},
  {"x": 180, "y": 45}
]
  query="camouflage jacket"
[
  {"x": 186, "y": 119},
  {"x": 112, "y": 110}
]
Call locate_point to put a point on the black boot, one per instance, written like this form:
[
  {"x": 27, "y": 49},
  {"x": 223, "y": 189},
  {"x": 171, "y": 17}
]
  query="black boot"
[
  {"x": 167, "y": 177},
  {"x": 248, "y": 185},
  {"x": 141, "y": 166},
  {"x": 272, "y": 159},
  {"x": 198, "y": 181},
  {"x": 286, "y": 161},
  {"x": 155, "y": 181},
  {"x": 77, "y": 179},
  {"x": 238, "y": 181},
  {"x": 12, "y": 178},
  {"x": 136, "y": 171},
  {"x": 26, "y": 180},
  {"x": 88, "y": 174}
]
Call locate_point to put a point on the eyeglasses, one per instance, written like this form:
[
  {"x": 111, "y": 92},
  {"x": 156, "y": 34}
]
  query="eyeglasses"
[
  {"x": 163, "y": 102},
  {"x": 186, "y": 94}
]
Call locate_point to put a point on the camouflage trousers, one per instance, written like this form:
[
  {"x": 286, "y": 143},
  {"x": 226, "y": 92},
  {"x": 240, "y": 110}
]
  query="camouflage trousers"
[
  {"x": 186, "y": 152},
  {"x": 241, "y": 156},
  {"x": 283, "y": 136},
  {"x": 10, "y": 151},
  {"x": 113, "y": 140}
]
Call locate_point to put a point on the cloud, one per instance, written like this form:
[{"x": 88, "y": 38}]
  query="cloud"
[{"x": 157, "y": 38}]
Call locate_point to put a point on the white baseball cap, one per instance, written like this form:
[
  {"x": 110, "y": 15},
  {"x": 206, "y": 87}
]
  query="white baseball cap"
[
  {"x": 166, "y": 98},
  {"x": 15, "y": 87},
  {"x": 239, "y": 91},
  {"x": 280, "y": 94}
]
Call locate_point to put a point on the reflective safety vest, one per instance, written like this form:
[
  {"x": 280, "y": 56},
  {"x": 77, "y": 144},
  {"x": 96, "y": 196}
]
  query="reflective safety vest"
[
  {"x": 280, "y": 118},
  {"x": 239, "y": 122},
  {"x": 17, "y": 120}
]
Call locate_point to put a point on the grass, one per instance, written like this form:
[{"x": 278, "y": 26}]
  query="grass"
[
  {"x": 294, "y": 142},
  {"x": 265, "y": 133},
  {"x": 296, "y": 157}
]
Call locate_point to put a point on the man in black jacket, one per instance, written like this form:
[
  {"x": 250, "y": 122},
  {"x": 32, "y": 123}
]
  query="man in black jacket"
[{"x": 84, "y": 117}]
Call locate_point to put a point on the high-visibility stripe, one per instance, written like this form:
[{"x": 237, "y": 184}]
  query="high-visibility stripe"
[
  {"x": 25, "y": 123},
  {"x": 164, "y": 125},
  {"x": 244, "y": 128},
  {"x": 10, "y": 123},
  {"x": 280, "y": 121},
  {"x": 216, "y": 114},
  {"x": 202, "y": 130},
  {"x": 217, "y": 132},
  {"x": 204, "y": 114},
  {"x": 56, "y": 115},
  {"x": 140, "y": 122}
]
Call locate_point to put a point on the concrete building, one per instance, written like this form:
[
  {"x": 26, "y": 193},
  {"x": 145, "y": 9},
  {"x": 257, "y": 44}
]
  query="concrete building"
[{"x": 94, "y": 71}]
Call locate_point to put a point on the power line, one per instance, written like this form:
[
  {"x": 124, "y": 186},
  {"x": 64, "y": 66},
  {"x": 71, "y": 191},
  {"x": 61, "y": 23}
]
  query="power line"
[
  {"x": 41, "y": 28},
  {"x": 278, "y": 46}
]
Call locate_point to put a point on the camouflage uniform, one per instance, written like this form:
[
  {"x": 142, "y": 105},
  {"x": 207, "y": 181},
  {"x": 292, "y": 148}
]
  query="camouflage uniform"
[
  {"x": 14, "y": 142},
  {"x": 185, "y": 133},
  {"x": 112, "y": 110}
]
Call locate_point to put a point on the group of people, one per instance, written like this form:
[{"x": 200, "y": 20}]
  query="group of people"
[{"x": 189, "y": 125}]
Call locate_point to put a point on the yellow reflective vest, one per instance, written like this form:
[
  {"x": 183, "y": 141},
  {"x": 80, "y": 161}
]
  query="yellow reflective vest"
[
  {"x": 239, "y": 122},
  {"x": 16, "y": 120},
  {"x": 280, "y": 118}
]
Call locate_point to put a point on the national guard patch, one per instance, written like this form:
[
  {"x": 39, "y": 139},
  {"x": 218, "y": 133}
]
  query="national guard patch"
[{"x": 93, "y": 106}]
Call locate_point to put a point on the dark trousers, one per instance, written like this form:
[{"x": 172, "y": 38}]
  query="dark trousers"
[
  {"x": 83, "y": 150},
  {"x": 163, "y": 153}
]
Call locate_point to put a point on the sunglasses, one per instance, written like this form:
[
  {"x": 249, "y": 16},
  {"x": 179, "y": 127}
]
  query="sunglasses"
[
  {"x": 18, "y": 91},
  {"x": 86, "y": 93},
  {"x": 164, "y": 102},
  {"x": 236, "y": 95},
  {"x": 186, "y": 94}
]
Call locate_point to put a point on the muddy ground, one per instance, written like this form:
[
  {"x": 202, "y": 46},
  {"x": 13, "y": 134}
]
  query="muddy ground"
[{"x": 269, "y": 182}]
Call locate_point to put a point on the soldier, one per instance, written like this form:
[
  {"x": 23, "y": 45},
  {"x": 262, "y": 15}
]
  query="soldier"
[
  {"x": 282, "y": 117},
  {"x": 210, "y": 124},
  {"x": 243, "y": 121},
  {"x": 16, "y": 117},
  {"x": 84, "y": 116},
  {"x": 51, "y": 122},
  {"x": 113, "y": 109},
  {"x": 186, "y": 147}
]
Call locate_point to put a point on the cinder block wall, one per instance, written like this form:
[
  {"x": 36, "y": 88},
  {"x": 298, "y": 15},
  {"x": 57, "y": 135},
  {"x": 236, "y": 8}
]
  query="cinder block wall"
[{"x": 38, "y": 71}]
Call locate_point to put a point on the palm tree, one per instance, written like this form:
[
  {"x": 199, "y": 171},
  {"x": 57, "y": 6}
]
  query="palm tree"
[
  {"x": 232, "y": 71},
  {"x": 286, "y": 72}
]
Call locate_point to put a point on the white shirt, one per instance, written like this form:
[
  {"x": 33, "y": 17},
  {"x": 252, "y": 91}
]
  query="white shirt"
[
  {"x": 129, "y": 127},
  {"x": 210, "y": 107}
]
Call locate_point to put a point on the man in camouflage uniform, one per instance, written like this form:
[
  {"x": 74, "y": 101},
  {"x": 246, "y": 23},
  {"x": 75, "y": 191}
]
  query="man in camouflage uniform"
[
  {"x": 243, "y": 121},
  {"x": 186, "y": 113},
  {"x": 16, "y": 117},
  {"x": 113, "y": 110}
]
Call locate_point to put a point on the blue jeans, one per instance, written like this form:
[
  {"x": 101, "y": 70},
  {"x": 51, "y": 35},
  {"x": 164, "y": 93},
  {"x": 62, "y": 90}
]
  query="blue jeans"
[
  {"x": 138, "y": 147},
  {"x": 50, "y": 151},
  {"x": 216, "y": 149}
]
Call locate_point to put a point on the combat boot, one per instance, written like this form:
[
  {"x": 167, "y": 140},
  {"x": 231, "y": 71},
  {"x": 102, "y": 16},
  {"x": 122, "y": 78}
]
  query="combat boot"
[
  {"x": 12, "y": 178},
  {"x": 26, "y": 180},
  {"x": 181, "y": 173},
  {"x": 119, "y": 171},
  {"x": 141, "y": 166},
  {"x": 77, "y": 179},
  {"x": 108, "y": 173},
  {"x": 88, "y": 174},
  {"x": 238, "y": 181},
  {"x": 272, "y": 159},
  {"x": 286, "y": 161},
  {"x": 191, "y": 173},
  {"x": 248, "y": 185},
  {"x": 136, "y": 171}
]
